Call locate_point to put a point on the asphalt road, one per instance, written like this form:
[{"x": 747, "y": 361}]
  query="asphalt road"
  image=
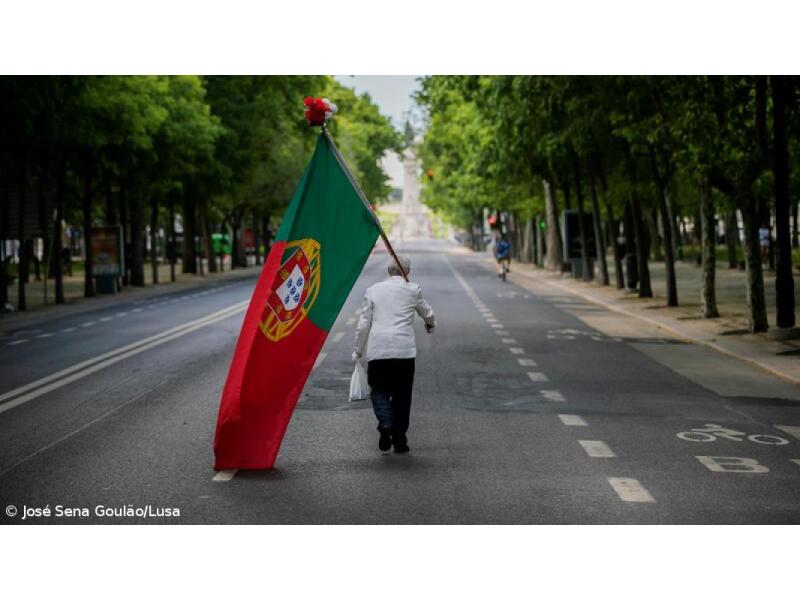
[{"x": 530, "y": 407}]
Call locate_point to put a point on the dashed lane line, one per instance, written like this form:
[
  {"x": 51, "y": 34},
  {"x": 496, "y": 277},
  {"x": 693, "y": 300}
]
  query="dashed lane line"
[
  {"x": 526, "y": 362},
  {"x": 630, "y": 490},
  {"x": 225, "y": 475},
  {"x": 337, "y": 337},
  {"x": 68, "y": 330},
  {"x": 792, "y": 430},
  {"x": 516, "y": 350},
  {"x": 573, "y": 421},
  {"x": 78, "y": 371},
  {"x": 553, "y": 396},
  {"x": 351, "y": 321},
  {"x": 17, "y": 342},
  {"x": 496, "y": 325},
  {"x": 537, "y": 376},
  {"x": 509, "y": 341},
  {"x": 597, "y": 449},
  {"x": 320, "y": 357},
  {"x": 45, "y": 335},
  {"x": 88, "y": 324}
]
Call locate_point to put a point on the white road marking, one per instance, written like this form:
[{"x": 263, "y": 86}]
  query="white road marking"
[
  {"x": 792, "y": 430},
  {"x": 491, "y": 319},
  {"x": 630, "y": 490},
  {"x": 732, "y": 464},
  {"x": 516, "y": 350},
  {"x": 88, "y": 324},
  {"x": 795, "y": 460},
  {"x": 553, "y": 396},
  {"x": 17, "y": 342},
  {"x": 501, "y": 332},
  {"x": 351, "y": 321},
  {"x": 597, "y": 449},
  {"x": 137, "y": 310},
  {"x": 320, "y": 357},
  {"x": 45, "y": 335},
  {"x": 337, "y": 337},
  {"x": 537, "y": 376},
  {"x": 225, "y": 475},
  {"x": 526, "y": 362},
  {"x": 68, "y": 330},
  {"x": 496, "y": 325},
  {"x": 551, "y": 337},
  {"x": 573, "y": 420},
  {"x": 509, "y": 341},
  {"x": 104, "y": 319},
  {"x": 51, "y": 382}
]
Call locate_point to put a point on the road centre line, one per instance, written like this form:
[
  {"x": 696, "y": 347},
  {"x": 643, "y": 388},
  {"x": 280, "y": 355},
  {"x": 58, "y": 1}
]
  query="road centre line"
[
  {"x": 516, "y": 350},
  {"x": 597, "y": 449},
  {"x": 320, "y": 357},
  {"x": 337, "y": 337},
  {"x": 537, "y": 377},
  {"x": 68, "y": 330},
  {"x": 351, "y": 321},
  {"x": 65, "y": 376},
  {"x": 553, "y": 396},
  {"x": 630, "y": 490},
  {"x": 225, "y": 475},
  {"x": 17, "y": 342},
  {"x": 526, "y": 362},
  {"x": 509, "y": 341},
  {"x": 573, "y": 420}
]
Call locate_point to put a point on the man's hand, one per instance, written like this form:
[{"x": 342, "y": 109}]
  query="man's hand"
[
  {"x": 356, "y": 357},
  {"x": 429, "y": 328}
]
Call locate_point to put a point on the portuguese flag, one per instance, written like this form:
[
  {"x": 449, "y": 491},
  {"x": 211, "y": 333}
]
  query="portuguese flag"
[{"x": 326, "y": 236}]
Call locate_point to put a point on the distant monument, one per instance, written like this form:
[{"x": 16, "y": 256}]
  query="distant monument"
[{"x": 413, "y": 215}]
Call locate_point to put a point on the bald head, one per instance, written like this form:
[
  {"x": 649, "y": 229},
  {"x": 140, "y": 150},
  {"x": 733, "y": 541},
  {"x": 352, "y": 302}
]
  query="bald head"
[{"x": 394, "y": 269}]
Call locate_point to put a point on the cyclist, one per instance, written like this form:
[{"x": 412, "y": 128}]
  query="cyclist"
[{"x": 502, "y": 252}]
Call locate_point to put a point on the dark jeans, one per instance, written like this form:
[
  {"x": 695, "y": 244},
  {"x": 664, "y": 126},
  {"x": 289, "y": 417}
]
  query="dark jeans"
[{"x": 391, "y": 381}]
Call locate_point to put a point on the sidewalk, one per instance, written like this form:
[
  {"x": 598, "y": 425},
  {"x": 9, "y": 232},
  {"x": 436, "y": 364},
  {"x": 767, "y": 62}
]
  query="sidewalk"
[
  {"x": 38, "y": 312},
  {"x": 727, "y": 334}
]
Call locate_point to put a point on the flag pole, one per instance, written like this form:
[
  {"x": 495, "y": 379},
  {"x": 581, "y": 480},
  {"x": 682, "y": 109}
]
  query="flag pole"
[{"x": 365, "y": 202}]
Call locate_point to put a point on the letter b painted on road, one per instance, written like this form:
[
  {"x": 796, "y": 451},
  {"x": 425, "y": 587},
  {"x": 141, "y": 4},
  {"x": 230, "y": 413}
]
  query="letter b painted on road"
[{"x": 732, "y": 464}]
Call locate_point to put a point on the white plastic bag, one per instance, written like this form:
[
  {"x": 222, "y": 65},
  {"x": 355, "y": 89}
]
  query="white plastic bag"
[{"x": 359, "y": 388}]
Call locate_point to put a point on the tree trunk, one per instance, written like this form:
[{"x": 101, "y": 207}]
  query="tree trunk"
[
  {"x": 553, "y": 259},
  {"x": 598, "y": 230},
  {"x": 756, "y": 301},
  {"x": 22, "y": 271},
  {"x": 708, "y": 294},
  {"x": 207, "y": 234},
  {"x": 154, "y": 238},
  {"x": 125, "y": 241},
  {"x": 669, "y": 255},
  {"x": 537, "y": 232},
  {"x": 189, "y": 231},
  {"x": 794, "y": 224},
  {"x": 58, "y": 250},
  {"x": 732, "y": 238},
  {"x": 173, "y": 244},
  {"x": 586, "y": 270},
  {"x": 137, "y": 239},
  {"x": 88, "y": 278},
  {"x": 784, "y": 282},
  {"x": 645, "y": 290}
]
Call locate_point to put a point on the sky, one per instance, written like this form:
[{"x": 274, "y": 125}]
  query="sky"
[{"x": 392, "y": 94}]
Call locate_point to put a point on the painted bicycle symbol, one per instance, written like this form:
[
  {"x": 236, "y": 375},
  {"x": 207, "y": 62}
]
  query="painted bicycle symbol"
[{"x": 711, "y": 432}]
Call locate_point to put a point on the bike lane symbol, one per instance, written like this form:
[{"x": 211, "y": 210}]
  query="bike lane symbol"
[{"x": 711, "y": 432}]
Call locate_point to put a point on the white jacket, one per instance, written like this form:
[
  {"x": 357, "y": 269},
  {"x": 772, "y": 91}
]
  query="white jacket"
[{"x": 386, "y": 323}]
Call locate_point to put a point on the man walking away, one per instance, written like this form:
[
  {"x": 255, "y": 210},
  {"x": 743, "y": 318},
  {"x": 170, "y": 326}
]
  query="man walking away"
[{"x": 386, "y": 331}]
